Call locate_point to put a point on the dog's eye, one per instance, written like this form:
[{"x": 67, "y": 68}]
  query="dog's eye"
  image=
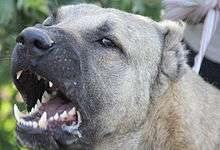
[{"x": 107, "y": 42}]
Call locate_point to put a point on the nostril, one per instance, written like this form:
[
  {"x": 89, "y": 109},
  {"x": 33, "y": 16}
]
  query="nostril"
[
  {"x": 41, "y": 45},
  {"x": 33, "y": 38},
  {"x": 20, "y": 39},
  {"x": 38, "y": 44}
]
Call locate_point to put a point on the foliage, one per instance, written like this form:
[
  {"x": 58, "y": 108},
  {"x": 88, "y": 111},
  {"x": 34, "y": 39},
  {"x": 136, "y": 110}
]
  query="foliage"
[{"x": 15, "y": 15}]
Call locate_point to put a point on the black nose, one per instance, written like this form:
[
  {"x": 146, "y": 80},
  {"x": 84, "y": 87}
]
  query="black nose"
[{"x": 35, "y": 39}]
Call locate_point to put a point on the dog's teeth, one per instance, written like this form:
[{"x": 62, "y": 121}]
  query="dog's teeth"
[
  {"x": 17, "y": 113},
  {"x": 19, "y": 74},
  {"x": 50, "y": 84},
  {"x": 64, "y": 115},
  {"x": 30, "y": 124},
  {"x": 72, "y": 112},
  {"x": 46, "y": 97},
  {"x": 79, "y": 118},
  {"x": 38, "y": 77},
  {"x": 32, "y": 111},
  {"x": 38, "y": 103},
  {"x": 22, "y": 121},
  {"x": 43, "y": 121},
  {"x": 26, "y": 123},
  {"x": 56, "y": 116},
  {"x": 51, "y": 119},
  {"x": 79, "y": 134},
  {"x": 36, "y": 107},
  {"x": 35, "y": 124}
]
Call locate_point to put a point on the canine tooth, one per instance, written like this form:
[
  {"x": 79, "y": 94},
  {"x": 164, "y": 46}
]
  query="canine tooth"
[
  {"x": 72, "y": 112},
  {"x": 50, "y": 84},
  {"x": 56, "y": 116},
  {"x": 35, "y": 124},
  {"x": 79, "y": 118},
  {"x": 64, "y": 115},
  {"x": 43, "y": 121},
  {"x": 17, "y": 113},
  {"x": 38, "y": 77},
  {"x": 19, "y": 74},
  {"x": 45, "y": 97}
]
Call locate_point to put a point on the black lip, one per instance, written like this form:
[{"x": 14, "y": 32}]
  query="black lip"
[
  {"x": 29, "y": 130},
  {"x": 25, "y": 134},
  {"x": 29, "y": 137},
  {"x": 56, "y": 141}
]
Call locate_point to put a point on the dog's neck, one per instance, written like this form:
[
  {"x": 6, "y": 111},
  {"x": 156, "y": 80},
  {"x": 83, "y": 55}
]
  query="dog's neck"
[{"x": 170, "y": 123}]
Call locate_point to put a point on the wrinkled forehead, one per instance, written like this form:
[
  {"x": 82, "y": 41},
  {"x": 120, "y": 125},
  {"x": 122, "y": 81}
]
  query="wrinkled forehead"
[
  {"x": 77, "y": 11},
  {"x": 86, "y": 17}
]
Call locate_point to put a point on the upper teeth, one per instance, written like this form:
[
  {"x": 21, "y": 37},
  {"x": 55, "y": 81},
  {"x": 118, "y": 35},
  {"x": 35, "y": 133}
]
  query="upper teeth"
[
  {"x": 17, "y": 113},
  {"x": 45, "y": 97},
  {"x": 19, "y": 74},
  {"x": 50, "y": 84},
  {"x": 43, "y": 121}
]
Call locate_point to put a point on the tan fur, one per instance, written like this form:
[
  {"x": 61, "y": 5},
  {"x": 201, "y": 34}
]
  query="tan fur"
[
  {"x": 138, "y": 94},
  {"x": 175, "y": 119}
]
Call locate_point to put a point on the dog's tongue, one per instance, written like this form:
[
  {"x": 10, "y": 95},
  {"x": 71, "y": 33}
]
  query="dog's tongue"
[{"x": 55, "y": 105}]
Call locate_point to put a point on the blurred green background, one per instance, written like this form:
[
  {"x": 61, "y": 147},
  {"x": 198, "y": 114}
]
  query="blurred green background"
[{"x": 15, "y": 15}]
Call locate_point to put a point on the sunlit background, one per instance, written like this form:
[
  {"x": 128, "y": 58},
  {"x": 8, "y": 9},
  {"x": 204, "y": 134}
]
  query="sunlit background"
[{"x": 15, "y": 15}]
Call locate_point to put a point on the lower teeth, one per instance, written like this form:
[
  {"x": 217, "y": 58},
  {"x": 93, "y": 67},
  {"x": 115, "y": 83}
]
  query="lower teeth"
[{"x": 43, "y": 121}]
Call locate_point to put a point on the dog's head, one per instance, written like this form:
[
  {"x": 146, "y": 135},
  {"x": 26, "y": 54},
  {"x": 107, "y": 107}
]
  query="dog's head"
[{"x": 88, "y": 74}]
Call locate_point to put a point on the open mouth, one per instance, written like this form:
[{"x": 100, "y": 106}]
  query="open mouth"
[{"x": 48, "y": 108}]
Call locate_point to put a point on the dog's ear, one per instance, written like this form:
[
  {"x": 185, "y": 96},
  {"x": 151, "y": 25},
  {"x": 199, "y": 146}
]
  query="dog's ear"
[{"x": 173, "y": 61}]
